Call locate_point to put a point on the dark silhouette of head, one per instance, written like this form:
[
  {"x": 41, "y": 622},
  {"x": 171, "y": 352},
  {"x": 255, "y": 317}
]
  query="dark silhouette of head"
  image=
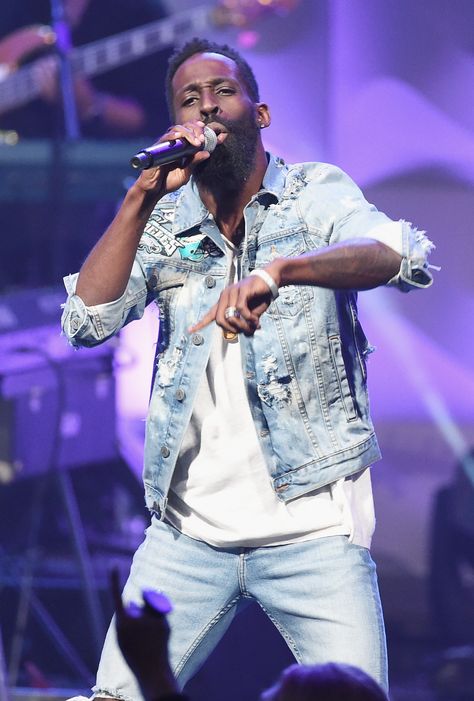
[{"x": 327, "y": 682}]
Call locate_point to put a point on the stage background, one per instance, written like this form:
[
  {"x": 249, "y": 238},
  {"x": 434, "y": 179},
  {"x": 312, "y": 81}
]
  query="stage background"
[{"x": 385, "y": 91}]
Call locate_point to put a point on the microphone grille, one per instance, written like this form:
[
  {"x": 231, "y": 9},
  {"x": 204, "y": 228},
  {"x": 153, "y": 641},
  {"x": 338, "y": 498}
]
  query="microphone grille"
[{"x": 210, "y": 140}]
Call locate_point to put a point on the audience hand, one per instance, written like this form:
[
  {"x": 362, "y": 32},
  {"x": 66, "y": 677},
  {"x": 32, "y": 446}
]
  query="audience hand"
[{"x": 143, "y": 633}]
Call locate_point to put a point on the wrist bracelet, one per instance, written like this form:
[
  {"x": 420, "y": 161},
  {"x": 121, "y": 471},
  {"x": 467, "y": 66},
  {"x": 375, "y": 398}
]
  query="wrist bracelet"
[{"x": 267, "y": 278}]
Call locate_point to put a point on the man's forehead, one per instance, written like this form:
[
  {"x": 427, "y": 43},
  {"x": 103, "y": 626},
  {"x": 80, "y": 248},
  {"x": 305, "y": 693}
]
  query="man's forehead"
[{"x": 204, "y": 66}]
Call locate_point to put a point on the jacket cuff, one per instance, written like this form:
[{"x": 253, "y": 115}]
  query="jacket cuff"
[{"x": 414, "y": 269}]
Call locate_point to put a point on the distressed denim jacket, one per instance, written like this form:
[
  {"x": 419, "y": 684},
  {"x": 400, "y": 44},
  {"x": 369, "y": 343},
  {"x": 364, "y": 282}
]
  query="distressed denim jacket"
[{"x": 305, "y": 369}]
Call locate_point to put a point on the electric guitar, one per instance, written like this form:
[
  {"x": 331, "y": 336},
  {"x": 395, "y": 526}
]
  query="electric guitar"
[{"x": 18, "y": 85}]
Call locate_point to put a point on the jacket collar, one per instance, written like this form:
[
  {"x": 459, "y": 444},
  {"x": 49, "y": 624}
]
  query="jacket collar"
[{"x": 190, "y": 211}]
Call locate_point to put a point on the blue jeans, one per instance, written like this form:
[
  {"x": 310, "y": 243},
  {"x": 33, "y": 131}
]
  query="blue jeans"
[{"x": 322, "y": 596}]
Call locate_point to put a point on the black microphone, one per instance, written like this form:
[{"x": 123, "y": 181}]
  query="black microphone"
[{"x": 171, "y": 151}]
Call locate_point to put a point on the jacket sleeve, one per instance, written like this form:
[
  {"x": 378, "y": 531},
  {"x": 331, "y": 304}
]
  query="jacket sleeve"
[
  {"x": 356, "y": 218},
  {"x": 89, "y": 326}
]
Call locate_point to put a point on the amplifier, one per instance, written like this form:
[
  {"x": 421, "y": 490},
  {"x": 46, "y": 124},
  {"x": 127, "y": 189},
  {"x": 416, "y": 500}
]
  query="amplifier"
[
  {"x": 57, "y": 404},
  {"x": 91, "y": 170}
]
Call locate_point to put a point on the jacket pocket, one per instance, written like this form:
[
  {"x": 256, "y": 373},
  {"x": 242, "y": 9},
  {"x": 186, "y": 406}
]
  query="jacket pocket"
[
  {"x": 288, "y": 244},
  {"x": 341, "y": 376}
]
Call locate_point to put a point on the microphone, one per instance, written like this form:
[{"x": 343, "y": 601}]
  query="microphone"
[{"x": 171, "y": 151}]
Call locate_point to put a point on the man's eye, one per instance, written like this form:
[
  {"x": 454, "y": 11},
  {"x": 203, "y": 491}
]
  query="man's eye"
[
  {"x": 226, "y": 91},
  {"x": 188, "y": 101}
]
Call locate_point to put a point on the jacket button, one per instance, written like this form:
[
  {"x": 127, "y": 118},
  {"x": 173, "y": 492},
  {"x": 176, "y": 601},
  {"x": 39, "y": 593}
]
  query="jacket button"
[
  {"x": 180, "y": 394},
  {"x": 210, "y": 282},
  {"x": 197, "y": 339},
  {"x": 165, "y": 451}
]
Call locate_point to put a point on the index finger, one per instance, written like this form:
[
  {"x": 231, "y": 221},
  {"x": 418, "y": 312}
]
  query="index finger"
[
  {"x": 157, "y": 602},
  {"x": 205, "y": 321}
]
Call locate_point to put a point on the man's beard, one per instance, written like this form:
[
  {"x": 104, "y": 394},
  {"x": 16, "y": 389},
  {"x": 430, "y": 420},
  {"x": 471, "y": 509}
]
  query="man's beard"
[{"x": 232, "y": 162}]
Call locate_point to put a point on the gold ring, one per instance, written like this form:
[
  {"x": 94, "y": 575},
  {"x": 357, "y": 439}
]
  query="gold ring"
[{"x": 229, "y": 335}]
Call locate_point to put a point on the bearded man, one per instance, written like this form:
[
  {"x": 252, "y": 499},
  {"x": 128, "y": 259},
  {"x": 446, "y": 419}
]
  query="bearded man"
[{"x": 259, "y": 439}]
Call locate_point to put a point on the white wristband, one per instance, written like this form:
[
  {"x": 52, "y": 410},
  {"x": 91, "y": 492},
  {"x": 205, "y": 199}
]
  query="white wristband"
[{"x": 266, "y": 277}]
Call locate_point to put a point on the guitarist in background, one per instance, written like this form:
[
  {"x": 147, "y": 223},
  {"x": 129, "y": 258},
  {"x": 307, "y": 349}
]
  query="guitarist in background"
[
  {"x": 113, "y": 105},
  {"x": 118, "y": 103}
]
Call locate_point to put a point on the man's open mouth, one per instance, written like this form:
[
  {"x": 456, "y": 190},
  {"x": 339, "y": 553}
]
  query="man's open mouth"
[{"x": 219, "y": 130}]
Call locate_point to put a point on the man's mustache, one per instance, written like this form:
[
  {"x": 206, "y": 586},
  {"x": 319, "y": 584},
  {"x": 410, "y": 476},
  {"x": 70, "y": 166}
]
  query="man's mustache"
[{"x": 217, "y": 120}]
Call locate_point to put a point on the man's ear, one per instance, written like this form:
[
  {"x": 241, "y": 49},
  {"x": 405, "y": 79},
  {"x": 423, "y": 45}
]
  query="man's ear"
[{"x": 263, "y": 115}]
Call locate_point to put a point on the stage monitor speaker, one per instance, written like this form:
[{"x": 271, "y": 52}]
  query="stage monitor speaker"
[{"x": 57, "y": 404}]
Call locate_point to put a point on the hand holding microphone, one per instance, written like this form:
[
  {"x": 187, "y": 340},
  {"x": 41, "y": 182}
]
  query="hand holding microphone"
[{"x": 160, "y": 154}]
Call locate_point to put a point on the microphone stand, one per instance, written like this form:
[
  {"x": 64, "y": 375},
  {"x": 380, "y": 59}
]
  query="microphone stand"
[
  {"x": 63, "y": 46},
  {"x": 72, "y": 133},
  {"x": 69, "y": 133},
  {"x": 58, "y": 191}
]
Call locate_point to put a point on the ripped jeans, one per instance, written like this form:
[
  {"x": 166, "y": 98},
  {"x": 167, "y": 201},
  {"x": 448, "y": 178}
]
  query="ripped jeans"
[{"x": 321, "y": 594}]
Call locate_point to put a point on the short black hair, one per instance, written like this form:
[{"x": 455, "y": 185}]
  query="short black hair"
[{"x": 204, "y": 46}]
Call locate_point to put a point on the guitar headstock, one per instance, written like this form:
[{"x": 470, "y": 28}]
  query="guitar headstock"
[{"x": 243, "y": 13}]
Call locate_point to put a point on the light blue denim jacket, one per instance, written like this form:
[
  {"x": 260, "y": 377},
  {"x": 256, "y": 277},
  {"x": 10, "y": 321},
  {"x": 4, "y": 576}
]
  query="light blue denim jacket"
[{"x": 305, "y": 370}]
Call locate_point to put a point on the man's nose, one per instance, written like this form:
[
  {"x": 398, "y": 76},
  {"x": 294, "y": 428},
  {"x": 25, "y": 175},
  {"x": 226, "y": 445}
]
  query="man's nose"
[{"x": 209, "y": 106}]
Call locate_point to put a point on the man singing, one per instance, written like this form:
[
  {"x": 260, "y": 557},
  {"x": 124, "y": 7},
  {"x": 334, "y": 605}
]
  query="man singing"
[{"x": 259, "y": 439}]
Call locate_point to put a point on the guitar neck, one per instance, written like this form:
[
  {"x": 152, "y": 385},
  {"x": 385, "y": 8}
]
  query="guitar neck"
[
  {"x": 118, "y": 50},
  {"x": 100, "y": 56}
]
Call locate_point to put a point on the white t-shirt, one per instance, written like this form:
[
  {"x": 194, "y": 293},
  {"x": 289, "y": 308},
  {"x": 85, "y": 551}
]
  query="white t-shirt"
[{"x": 221, "y": 491}]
